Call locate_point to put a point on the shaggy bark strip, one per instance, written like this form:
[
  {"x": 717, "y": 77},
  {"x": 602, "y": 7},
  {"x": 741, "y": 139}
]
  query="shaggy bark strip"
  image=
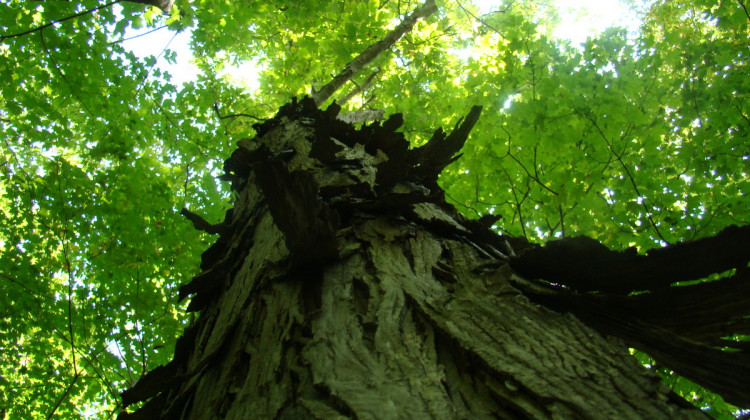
[
  {"x": 693, "y": 329},
  {"x": 343, "y": 286}
]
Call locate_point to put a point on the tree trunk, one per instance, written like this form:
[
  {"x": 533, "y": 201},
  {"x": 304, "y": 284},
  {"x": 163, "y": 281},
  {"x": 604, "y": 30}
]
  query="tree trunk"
[{"x": 343, "y": 286}]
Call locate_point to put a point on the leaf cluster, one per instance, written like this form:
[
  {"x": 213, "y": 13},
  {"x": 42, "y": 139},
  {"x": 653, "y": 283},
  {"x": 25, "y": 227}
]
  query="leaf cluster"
[{"x": 636, "y": 141}]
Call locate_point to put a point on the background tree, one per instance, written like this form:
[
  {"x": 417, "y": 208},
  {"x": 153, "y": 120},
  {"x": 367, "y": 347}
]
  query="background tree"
[{"x": 634, "y": 142}]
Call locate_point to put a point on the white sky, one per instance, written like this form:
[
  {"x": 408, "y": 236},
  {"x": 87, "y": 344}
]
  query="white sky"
[
  {"x": 154, "y": 43},
  {"x": 579, "y": 20}
]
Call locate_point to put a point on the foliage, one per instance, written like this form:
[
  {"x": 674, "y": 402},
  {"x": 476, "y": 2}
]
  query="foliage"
[{"x": 634, "y": 141}]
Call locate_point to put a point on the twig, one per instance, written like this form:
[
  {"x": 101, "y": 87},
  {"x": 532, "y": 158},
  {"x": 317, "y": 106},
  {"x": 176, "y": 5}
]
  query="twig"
[
  {"x": 62, "y": 75},
  {"x": 137, "y": 36},
  {"x": 156, "y": 60},
  {"x": 54, "y": 22},
  {"x": 360, "y": 88},
  {"x": 477, "y": 18},
  {"x": 223, "y": 117},
  {"x": 742, "y": 4}
]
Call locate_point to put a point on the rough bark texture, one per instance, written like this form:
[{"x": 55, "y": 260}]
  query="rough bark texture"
[
  {"x": 343, "y": 286},
  {"x": 355, "y": 117},
  {"x": 693, "y": 328}
]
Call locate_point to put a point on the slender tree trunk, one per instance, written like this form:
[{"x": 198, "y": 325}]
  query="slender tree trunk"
[
  {"x": 373, "y": 51},
  {"x": 343, "y": 286}
]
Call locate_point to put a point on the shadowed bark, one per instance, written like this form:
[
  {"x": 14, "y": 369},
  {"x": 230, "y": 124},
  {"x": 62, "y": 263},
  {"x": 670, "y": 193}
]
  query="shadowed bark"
[
  {"x": 691, "y": 329},
  {"x": 343, "y": 286}
]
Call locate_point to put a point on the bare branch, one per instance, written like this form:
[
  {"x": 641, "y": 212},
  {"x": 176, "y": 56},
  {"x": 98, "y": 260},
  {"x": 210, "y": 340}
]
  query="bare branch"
[{"x": 223, "y": 117}]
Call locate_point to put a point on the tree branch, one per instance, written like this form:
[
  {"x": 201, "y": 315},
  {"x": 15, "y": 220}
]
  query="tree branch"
[
  {"x": 742, "y": 4},
  {"x": 478, "y": 19},
  {"x": 164, "y": 5},
  {"x": 138, "y": 36},
  {"x": 201, "y": 223},
  {"x": 373, "y": 51},
  {"x": 54, "y": 22},
  {"x": 223, "y": 117},
  {"x": 368, "y": 82}
]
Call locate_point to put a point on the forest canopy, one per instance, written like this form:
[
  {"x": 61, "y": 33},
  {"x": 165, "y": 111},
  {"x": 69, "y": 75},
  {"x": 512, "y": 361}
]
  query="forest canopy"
[{"x": 636, "y": 140}]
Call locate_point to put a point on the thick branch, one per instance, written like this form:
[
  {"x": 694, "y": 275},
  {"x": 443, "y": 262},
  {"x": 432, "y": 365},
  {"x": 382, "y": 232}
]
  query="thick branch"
[
  {"x": 373, "y": 51},
  {"x": 584, "y": 264}
]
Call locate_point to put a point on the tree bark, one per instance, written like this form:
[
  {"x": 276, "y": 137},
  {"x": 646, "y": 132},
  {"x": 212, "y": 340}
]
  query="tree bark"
[
  {"x": 343, "y": 286},
  {"x": 363, "y": 115}
]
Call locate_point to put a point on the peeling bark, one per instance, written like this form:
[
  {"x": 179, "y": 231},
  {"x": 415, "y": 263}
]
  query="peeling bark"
[
  {"x": 691, "y": 329},
  {"x": 363, "y": 115},
  {"x": 343, "y": 286}
]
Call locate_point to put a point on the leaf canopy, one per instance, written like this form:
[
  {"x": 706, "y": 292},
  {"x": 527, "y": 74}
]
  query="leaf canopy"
[{"x": 634, "y": 140}]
